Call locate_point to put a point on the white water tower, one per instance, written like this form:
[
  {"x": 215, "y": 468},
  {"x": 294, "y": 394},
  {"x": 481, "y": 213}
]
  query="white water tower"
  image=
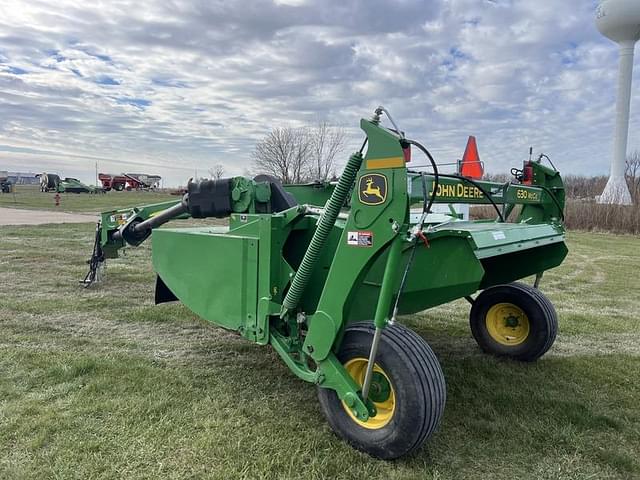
[{"x": 619, "y": 20}]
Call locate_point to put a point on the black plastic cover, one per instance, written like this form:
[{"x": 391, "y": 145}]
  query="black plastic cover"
[
  {"x": 280, "y": 199},
  {"x": 209, "y": 198}
]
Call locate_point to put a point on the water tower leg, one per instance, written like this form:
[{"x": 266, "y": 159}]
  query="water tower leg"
[{"x": 616, "y": 190}]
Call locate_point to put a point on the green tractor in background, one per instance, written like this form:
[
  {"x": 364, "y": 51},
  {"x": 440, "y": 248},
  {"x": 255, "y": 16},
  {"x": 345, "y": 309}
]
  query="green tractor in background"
[
  {"x": 73, "y": 185},
  {"x": 50, "y": 182}
]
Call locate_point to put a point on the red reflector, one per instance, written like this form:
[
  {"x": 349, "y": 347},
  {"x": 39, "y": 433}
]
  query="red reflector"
[
  {"x": 527, "y": 174},
  {"x": 406, "y": 152},
  {"x": 471, "y": 166}
]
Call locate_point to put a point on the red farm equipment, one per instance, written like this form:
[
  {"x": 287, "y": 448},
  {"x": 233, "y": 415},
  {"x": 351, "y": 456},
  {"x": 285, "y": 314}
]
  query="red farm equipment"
[{"x": 129, "y": 181}]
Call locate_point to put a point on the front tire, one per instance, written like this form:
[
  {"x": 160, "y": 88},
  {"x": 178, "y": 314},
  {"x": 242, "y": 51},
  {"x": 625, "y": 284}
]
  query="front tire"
[
  {"x": 515, "y": 321},
  {"x": 408, "y": 391}
]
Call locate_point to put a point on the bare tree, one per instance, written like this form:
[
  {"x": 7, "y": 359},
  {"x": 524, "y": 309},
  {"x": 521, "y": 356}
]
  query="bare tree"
[
  {"x": 216, "y": 172},
  {"x": 284, "y": 153},
  {"x": 632, "y": 174},
  {"x": 326, "y": 142},
  {"x": 295, "y": 155}
]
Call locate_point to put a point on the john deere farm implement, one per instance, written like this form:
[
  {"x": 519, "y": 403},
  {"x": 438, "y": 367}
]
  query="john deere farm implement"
[{"x": 322, "y": 274}]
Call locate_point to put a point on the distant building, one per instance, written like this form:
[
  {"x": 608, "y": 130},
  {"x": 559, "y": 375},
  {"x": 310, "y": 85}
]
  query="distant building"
[{"x": 21, "y": 178}]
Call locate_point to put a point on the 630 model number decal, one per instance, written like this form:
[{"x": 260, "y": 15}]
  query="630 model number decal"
[{"x": 522, "y": 194}]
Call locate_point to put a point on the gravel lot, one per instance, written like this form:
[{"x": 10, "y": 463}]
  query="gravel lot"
[{"x": 14, "y": 216}]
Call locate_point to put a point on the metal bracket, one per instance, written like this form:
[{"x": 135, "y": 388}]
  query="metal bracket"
[{"x": 536, "y": 282}]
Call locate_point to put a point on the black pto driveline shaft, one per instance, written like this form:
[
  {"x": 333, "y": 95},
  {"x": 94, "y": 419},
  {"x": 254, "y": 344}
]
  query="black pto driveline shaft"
[
  {"x": 139, "y": 229},
  {"x": 162, "y": 217}
]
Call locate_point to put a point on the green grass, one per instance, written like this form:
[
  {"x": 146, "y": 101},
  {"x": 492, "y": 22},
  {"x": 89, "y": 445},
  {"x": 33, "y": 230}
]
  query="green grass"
[
  {"x": 101, "y": 383},
  {"x": 30, "y": 197}
]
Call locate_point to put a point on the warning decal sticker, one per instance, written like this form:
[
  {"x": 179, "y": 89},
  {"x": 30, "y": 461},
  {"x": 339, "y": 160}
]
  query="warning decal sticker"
[{"x": 360, "y": 239}]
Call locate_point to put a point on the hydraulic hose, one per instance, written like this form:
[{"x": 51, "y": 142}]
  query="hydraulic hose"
[
  {"x": 325, "y": 225},
  {"x": 426, "y": 209},
  {"x": 555, "y": 200},
  {"x": 436, "y": 177}
]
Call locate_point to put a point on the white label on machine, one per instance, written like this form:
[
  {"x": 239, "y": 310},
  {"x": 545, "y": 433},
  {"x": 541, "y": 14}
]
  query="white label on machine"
[
  {"x": 120, "y": 218},
  {"x": 360, "y": 239},
  {"x": 499, "y": 235}
]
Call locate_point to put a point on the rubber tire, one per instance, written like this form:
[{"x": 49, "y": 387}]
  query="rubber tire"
[
  {"x": 543, "y": 321},
  {"x": 420, "y": 390}
]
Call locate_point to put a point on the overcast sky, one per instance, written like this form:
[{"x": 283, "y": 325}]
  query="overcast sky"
[{"x": 171, "y": 87}]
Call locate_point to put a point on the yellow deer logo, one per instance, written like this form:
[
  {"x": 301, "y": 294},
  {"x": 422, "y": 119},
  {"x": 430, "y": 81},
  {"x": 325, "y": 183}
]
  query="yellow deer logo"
[{"x": 373, "y": 189}]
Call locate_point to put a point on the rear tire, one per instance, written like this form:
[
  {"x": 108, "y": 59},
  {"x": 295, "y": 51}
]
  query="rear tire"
[
  {"x": 515, "y": 321},
  {"x": 409, "y": 392}
]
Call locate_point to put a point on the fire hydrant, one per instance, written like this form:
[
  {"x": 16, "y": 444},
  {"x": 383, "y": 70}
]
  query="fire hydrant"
[{"x": 57, "y": 198}]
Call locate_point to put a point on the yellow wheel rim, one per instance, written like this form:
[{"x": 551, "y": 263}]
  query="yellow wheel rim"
[
  {"x": 381, "y": 393},
  {"x": 507, "y": 324}
]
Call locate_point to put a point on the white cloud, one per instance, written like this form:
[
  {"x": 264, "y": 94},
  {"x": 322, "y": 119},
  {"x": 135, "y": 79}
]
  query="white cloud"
[{"x": 178, "y": 86}]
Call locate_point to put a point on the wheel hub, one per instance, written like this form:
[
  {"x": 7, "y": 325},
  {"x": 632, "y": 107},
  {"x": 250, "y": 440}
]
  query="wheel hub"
[
  {"x": 380, "y": 388},
  {"x": 507, "y": 324},
  {"x": 381, "y": 393},
  {"x": 511, "y": 321}
]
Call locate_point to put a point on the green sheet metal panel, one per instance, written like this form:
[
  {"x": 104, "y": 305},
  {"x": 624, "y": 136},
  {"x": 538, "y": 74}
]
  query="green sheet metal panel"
[
  {"x": 493, "y": 239},
  {"x": 214, "y": 274},
  {"x": 447, "y": 270},
  {"x": 510, "y": 251},
  {"x": 464, "y": 257},
  {"x": 518, "y": 264}
]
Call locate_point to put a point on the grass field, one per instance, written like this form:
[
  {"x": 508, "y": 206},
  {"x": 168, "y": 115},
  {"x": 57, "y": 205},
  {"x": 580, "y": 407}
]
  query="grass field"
[
  {"x": 31, "y": 197},
  {"x": 101, "y": 383}
]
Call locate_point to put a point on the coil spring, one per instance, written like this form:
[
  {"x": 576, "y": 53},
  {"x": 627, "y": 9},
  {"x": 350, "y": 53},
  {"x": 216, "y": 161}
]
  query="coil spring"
[{"x": 326, "y": 223}]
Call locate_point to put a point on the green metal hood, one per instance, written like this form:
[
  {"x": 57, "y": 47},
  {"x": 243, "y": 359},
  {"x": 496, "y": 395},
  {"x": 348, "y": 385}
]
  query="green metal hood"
[
  {"x": 509, "y": 251},
  {"x": 490, "y": 239}
]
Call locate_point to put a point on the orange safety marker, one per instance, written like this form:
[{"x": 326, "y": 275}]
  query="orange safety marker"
[{"x": 471, "y": 166}]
